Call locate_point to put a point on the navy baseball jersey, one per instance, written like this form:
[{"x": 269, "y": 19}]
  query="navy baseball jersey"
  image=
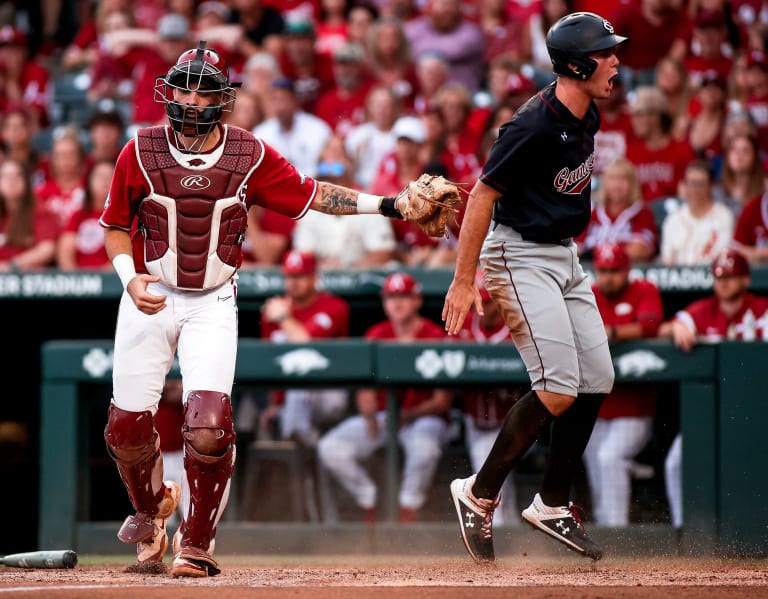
[{"x": 541, "y": 164}]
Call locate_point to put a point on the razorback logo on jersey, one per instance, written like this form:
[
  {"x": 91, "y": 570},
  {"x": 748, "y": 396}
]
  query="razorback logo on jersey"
[{"x": 573, "y": 182}]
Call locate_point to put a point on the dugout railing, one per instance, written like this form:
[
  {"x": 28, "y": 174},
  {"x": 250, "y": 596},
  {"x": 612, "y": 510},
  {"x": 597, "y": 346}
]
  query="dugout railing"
[{"x": 722, "y": 414}]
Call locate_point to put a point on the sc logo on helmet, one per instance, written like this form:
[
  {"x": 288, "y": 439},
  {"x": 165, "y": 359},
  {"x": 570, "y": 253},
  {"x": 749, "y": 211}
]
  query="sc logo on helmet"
[{"x": 196, "y": 182}]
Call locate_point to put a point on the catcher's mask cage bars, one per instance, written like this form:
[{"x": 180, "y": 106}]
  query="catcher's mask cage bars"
[{"x": 201, "y": 75}]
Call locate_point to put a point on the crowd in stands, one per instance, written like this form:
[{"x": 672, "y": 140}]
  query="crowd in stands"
[{"x": 371, "y": 93}]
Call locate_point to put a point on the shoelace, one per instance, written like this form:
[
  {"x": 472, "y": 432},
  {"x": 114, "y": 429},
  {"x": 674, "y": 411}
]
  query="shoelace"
[
  {"x": 486, "y": 527},
  {"x": 577, "y": 513}
]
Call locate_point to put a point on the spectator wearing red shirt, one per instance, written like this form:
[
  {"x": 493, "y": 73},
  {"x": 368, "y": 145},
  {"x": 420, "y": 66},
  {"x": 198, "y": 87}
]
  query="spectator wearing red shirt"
[
  {"x": 423, "y": 426},
  {"x": 751, "y": 235},
  {"x": 731, "y": 313},
  {"x": 81, "y": 245},
  {"x": 414, "y": 247},
  {"x": 742, "y": 173},
  {"x": 302, "y": 314},
  {"x": 630, "y": 310},
  {"x": 311, "y": 71},
  {"x": 390, "y": 60},
  {"x": 709, "y": 48},
  {"x": 704, "y": 127},
  {"x": 62, "y": 194},
  {"x": 757, "y": 94},
  {"x": 27, "y": 82},
  {"x": 16, "y": 135},
  {"x": 620, "y": 216},
  {"x": 343, "y": 105},
  {"x": 652, "y": 25},
  {"x": 659, "y": 158},
  {"x": 28, "y": 232}
]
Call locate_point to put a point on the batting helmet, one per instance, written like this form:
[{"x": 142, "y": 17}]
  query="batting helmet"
[
  {"x": 197, "y": 69},
  {"x": 574, "y": 37},
  {"x": 730, "y": 263}
]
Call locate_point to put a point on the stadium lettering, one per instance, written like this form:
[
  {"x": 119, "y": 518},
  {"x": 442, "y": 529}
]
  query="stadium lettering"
[{"x": 61, "y": 285}]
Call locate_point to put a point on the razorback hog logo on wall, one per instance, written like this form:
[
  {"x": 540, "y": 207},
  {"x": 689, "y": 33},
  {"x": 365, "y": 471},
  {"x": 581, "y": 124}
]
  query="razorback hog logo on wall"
[
  {"x": 573, "y": 182},
  {"x": 196, "y": 182}
]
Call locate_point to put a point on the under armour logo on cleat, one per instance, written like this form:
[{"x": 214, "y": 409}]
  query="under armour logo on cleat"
[
  {"x": 564, "y": 530},
  {"x": 470, "y": 520},
  {"x": 564, "y": 136}
]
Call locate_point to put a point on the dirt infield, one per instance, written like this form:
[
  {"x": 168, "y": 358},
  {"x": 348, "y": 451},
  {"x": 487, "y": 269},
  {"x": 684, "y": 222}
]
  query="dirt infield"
[{"x": 347, "y": 577}]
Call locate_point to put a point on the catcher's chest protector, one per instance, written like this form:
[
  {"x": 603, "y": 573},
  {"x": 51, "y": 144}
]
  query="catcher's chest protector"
[{"x": 194, "y": 220}]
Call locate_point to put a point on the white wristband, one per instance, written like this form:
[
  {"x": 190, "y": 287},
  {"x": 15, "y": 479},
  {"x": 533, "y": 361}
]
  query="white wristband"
[
  {"x": 368, "y": 204},
  {"x": 123, "y": 264}
]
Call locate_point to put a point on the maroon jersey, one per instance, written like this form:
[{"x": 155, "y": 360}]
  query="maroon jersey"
[
  {"x": 384, "y": 331},
  {"x": 635, "y": 222},
  {"x": 255, "y": 173},
  {"x": 326, "y": 317},
  {"x": 752, "y": 224},
  {"x": 709, "y": 323},
  {"x": 639, "y": 302}
]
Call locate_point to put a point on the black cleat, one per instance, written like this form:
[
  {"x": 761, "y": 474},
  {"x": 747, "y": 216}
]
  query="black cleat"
[
  {"x": 564, "y": 524},
  {"x": 475, "y": 519}
]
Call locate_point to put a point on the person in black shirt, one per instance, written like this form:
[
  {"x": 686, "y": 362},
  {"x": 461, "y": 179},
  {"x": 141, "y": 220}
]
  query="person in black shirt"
[{"x": 532, "y": 198}]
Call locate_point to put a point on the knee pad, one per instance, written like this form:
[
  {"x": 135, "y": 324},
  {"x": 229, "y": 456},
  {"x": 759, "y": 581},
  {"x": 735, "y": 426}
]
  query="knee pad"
[
  {"x": 208, "y": 428},
  {"x": 131, "y": 437}
]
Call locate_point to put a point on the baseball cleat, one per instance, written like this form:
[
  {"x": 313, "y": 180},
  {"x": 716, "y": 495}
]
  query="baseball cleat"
[
  {"x": 475, "y": 519},
  {"x": 563, "y": 524},
  {"x": 148, "y": 532},
  {"x": 153, "y": 549},
  {"x": 194, "y": 562}
]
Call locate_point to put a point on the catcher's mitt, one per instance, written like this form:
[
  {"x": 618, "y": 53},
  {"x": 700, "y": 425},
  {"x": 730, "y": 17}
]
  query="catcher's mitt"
[{"x": 427, "y": 201}]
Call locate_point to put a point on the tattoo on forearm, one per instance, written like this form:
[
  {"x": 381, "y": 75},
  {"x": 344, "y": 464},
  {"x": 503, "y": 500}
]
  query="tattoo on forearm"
[{"x": 337, "y": 200}]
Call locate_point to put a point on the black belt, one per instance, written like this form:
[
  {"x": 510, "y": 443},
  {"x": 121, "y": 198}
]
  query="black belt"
[{"x": 564, "y": 242}]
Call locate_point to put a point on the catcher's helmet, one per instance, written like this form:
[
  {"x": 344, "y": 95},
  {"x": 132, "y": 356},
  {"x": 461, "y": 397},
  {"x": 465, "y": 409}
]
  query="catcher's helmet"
[
  {"x": 196, "y": 69},
  {"x": 730, "y": 263},
  {"x": 574, "y": 37}
]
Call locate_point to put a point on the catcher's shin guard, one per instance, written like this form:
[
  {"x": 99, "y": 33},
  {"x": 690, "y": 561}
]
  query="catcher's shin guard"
[
  {"x": 209, "y": 459},
  {"x": 134, "y": 445}
]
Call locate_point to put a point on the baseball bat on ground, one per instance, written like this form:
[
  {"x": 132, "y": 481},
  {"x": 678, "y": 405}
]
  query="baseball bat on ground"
[{"x": 61, "y": 558}]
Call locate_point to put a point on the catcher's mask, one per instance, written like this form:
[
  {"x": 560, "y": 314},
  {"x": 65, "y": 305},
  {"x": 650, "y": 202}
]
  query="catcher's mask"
[
  {"x": 196, "y": 69},
  {"x": 574, "y": 37}
]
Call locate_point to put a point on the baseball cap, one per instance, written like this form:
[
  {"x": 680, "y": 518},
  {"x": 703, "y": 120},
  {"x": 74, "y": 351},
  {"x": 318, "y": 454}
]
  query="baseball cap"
[
  {"x": 300, "y": 27},
  {"x": 411, "y": 128},
  {"x": 730, "y": 263},
  {"x": 299, "y": 263},
  {"x": 611, "y": 256},
  {"x": 400, "y": 283},
  {"x": 173, "y": 26},
  {"x": 517, "y": 83}
]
